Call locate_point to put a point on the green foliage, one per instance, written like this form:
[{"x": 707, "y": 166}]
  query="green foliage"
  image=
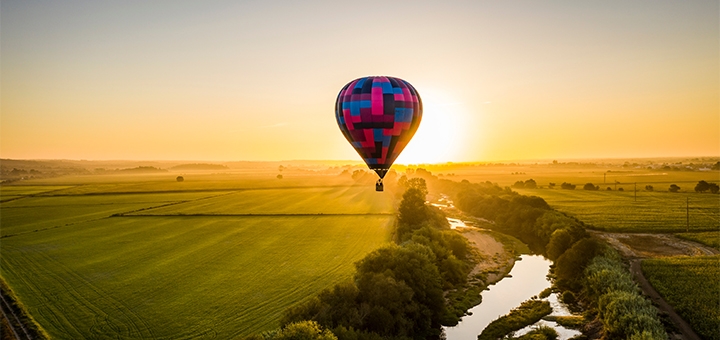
[
  {"x": 568, "y": 297},
  {"x": 528, "y": 313},
  {"x": 397, "y": 291},
  {"x": 303, "y": 330},
  {"x": 572, "y": 322},
  {"x": 607, "y": 274},
  {"x": 412, "y": 211},
  {"x": 540, "y": 333},
  {"x": 621, "y": 308},
  {"x": 690, "y": 285},
  {"x": 570, "y": 266},
  {"x": 625, "y": 314}
]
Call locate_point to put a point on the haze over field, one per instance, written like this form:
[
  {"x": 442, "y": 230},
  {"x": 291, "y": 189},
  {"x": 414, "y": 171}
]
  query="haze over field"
[{"x": 257, "y": 80}]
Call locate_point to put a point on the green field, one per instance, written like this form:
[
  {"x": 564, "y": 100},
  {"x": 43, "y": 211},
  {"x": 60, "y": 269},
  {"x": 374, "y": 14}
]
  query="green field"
[
  {"x": 709, "y": 238},
  {"x": 92, "y": 269},
  {"x": 618, "y": 211},
  {"x": 691, "y": 286}
]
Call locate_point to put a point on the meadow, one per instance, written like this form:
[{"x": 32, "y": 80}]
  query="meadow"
[
  {"x": 691, "y": 286},
  {"x": 218, "y": 255}
]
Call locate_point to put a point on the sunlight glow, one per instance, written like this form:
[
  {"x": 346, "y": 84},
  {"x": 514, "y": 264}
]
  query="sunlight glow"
[{"x": 442, "y": 133}]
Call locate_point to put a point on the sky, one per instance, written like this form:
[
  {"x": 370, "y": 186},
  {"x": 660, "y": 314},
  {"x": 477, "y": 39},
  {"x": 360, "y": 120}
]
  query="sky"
[{"x": 257, "y": 80}]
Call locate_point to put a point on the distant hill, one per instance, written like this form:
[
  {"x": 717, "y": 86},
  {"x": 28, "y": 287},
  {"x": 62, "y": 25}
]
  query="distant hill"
[{"x": 200, "y": 166}]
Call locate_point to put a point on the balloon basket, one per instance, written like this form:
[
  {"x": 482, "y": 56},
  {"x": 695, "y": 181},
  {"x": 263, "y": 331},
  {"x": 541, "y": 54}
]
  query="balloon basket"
[{"x": 379, "y": 185}]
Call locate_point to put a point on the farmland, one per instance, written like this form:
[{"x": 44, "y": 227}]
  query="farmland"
[
  {"x": 619, "y": 211},
  {"x": 638, "y": 199},
  {"x": 218, "y": 255},
  {"x": 690, "y": 285}
]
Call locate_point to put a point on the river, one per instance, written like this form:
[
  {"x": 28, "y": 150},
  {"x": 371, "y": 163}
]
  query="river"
[{"x": 526, "y": 279}]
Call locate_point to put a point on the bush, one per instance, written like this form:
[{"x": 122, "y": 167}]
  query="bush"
[
  {"x": 590, "y": 186},
  {"x": 304, "y": 330},
  {"x": 567, "y": 186},
  {"x": 528, "y": 313},
  {"x": 622, "y": 310},
  {"x": 624, "y": 314},
  {"x": 568, "y": 297},
  {"x": 540, "y": 333}
]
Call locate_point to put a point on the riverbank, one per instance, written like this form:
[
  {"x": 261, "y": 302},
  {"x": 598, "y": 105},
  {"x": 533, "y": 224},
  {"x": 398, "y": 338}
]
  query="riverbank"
[{"x": 497, "y": 253}]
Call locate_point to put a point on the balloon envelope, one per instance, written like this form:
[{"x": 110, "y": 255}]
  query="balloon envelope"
[{"x": 378, "y": 116}]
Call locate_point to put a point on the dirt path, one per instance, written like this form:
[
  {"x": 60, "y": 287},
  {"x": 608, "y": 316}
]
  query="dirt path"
[
  {"x": 637, "y": 247},
  {"x": 496, "y": 260},
  {"x": 642, "y": 246},
  {"x": 687, "y": 333}
]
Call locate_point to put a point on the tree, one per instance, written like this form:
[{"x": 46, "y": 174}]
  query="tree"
[
  {"x": 412, "y": 210},
  {"x": 551, "y": 185},
  {"x": 418, "y": 183},
  {"x": 702, "y": 186},
  {"x": 530, "y": 184},
  {"x": 649, "y": 188},
  {"x": 519, "y": 185},
  {"x": 280, "y": 176},
  {"x": 674, "y": 188},
  {"x": 180, "y": 178},
  {"x": 590, "y": 186},
  {"x": 714, "y": 188},
  {"x": 567, "y": 186}
]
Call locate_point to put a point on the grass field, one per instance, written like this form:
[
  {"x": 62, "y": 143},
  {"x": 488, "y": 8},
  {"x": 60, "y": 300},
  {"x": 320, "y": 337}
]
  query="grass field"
[
  {"x": 691, "y": 286},
  {"x": 92, "y": 270},
  {"x": 619, "y": 211}
]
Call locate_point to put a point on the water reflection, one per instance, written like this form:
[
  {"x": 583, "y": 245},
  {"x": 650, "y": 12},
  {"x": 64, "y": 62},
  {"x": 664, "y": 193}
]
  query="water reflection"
[{"x": 528, "y": 280}]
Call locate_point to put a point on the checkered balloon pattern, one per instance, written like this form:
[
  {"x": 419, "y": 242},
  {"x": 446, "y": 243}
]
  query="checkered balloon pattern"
[{"x": 378, "y": 116}]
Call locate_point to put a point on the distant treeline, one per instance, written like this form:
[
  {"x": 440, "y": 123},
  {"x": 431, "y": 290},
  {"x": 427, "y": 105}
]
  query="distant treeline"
[
  {"x": 135, "y": 170},
  {"x": 199, "y": 166}
]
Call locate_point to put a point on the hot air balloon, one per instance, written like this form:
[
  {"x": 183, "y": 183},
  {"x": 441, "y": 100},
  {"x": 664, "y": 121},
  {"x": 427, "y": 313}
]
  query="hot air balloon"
[{"x": 378, "y": 115}]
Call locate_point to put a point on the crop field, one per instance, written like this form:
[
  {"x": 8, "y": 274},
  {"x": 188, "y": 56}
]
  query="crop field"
[
  {"x": 348, "y": 200},
  {"x": 618, "y": 211},
  {"x": 218, "y": 259},
  {"x": 604, "y": 176},
  {"x": 709, "y": 238},
  {"x": 691, "y": 286}
]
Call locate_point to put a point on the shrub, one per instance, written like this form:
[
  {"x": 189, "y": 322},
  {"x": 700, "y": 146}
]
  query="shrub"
[{"x": 528, "y": 313}]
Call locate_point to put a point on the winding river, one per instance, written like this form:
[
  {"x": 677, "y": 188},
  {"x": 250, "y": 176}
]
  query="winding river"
[{"x": 526, "y": 279}]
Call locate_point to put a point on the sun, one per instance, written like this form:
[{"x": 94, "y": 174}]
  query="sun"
[{"x": 441, "y": 134}]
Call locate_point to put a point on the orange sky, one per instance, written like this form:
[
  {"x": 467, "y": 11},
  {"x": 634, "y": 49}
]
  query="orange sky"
[{"x": 257, "y": 80}]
